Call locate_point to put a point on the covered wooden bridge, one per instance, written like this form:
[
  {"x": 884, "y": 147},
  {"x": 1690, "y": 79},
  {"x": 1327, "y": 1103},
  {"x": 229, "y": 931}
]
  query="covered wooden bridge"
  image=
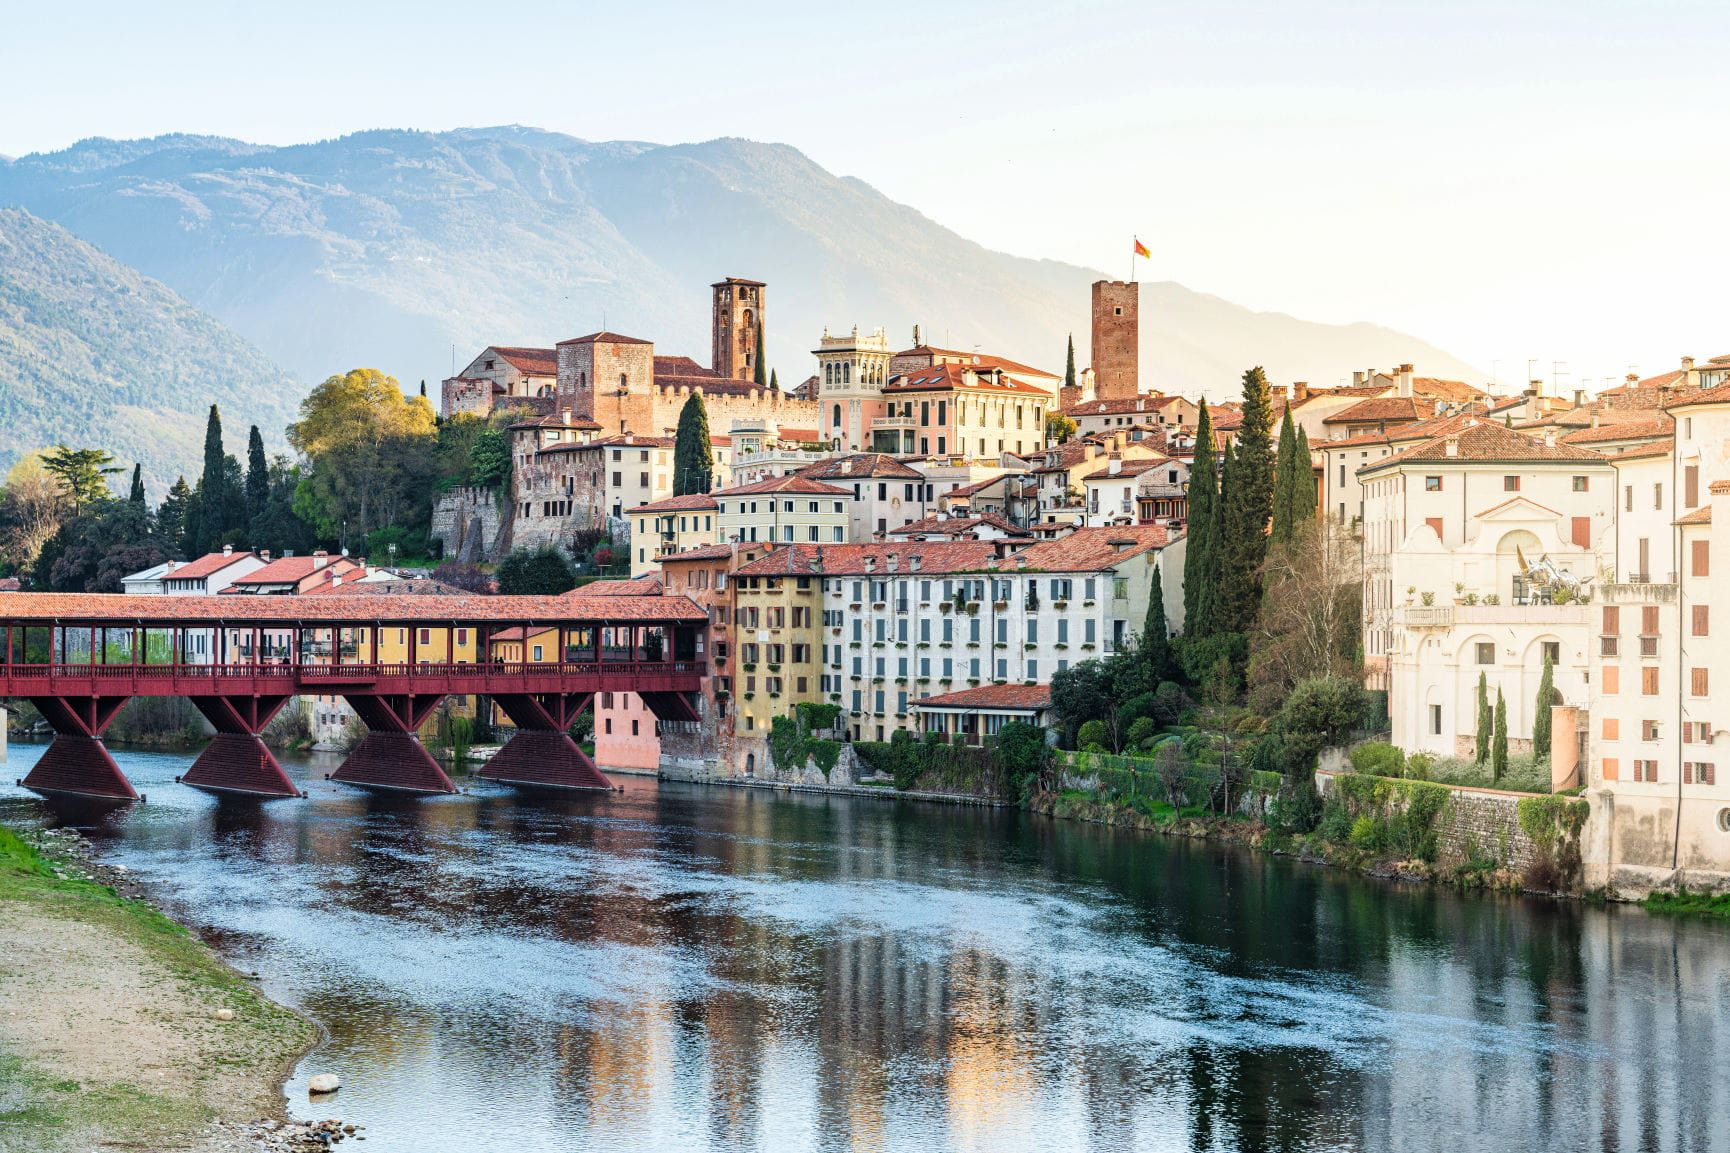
[{"x": 239, "y": 659}]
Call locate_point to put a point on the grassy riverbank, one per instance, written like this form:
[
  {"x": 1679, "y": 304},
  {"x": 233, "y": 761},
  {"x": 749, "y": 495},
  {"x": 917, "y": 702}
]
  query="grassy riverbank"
[
  {"x": 1684, "y": 903},
  {"x": 109, "y": 1029}
]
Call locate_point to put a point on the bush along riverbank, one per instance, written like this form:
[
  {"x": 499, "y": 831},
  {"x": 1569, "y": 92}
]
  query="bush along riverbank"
[{"x": 118, "y": 1027}]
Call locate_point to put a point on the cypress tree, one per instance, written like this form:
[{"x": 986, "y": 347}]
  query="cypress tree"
[
  {"x": 423, "y": 388},
  {"x": 1203, "y": 490},
  {"x": 1485, "y": 720},
  {"x": 1284, "y": 481},
  {"x": 171, "y": 515},
  {"x": 1303, "y": 503},
  {"x": 1499, "y": 741},
  {"x": 1155, "y": 636},
  {"x": 762, "y": 376},
  {"x": 774, "y": 381},
  {"x": 212, "y": 507},
  {"x": 1212, "y": 606},
  {"x": 1541, "y": 718},
  {"x": 257, "y": 485},
  {"x": 693, "y": 454},
  {"x": 1069, "y": 366},
  {"x": 1248, "y": 503},
  {"x": 136, "y": 496}
]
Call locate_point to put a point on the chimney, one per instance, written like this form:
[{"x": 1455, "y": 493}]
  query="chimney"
[
  {"x": 1452, "y": 447},
  {"x": 1579, "y": 398},
  {"x": 1549, "y": 438},
  {"x": 320, "y": 558},
  {"x": 870, "y": 564},
  {"x": 1300, "y": 391},
  {"x": 567, "y": 417},
  {"x": 264, "y": 555},
  {"x": 227, "y": 550},
  {"x": 1114, "y": 465},
  {"x": 1687, "y": 364},
  {"x": 1405, "y": 380},
  {"x": 335, "y": 579},
  {"x": 1357, "y": 379},
  {"x": 894, "y": 562}
]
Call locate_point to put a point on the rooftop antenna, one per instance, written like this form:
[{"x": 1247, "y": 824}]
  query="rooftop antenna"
[{"x": 1558, "y": 369}]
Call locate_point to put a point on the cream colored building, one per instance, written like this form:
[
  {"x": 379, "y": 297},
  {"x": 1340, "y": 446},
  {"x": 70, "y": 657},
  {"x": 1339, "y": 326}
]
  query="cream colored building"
[{"x": 789, "y": 509}]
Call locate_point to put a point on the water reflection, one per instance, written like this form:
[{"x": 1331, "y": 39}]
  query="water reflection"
[{"x": 716, "y": 969}]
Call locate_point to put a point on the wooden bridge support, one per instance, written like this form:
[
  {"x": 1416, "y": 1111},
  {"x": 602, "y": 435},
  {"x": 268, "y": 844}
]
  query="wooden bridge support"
[
  {"x": 542, "y": 754},
  {"x": 77, "y": 763},
  {"x": 236, "y": 760},
  {"x": 391, "y": 756}
]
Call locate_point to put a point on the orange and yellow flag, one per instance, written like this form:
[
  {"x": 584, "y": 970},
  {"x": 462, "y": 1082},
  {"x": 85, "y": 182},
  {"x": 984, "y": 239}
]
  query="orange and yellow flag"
[{"x": 1141, "y": 249}]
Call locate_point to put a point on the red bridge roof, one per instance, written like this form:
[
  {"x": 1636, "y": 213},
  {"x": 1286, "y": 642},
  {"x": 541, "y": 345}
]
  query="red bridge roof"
[{"x": 576, "y": 608}]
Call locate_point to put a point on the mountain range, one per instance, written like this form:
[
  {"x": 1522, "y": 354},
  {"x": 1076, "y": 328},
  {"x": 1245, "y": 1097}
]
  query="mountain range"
[
  {"x": 94, "y": 354},
  {"x": 409, "y": 251}
]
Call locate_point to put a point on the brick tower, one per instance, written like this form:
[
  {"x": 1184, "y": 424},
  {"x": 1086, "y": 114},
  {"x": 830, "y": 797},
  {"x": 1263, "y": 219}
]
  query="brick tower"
[
  {"x": 737, "y": 320},
  {"x": 1116, "y": 339}
]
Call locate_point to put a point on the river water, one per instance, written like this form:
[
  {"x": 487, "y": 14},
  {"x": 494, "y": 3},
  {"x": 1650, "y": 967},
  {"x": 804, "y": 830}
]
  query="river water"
[{"x": 707, "y": 968}]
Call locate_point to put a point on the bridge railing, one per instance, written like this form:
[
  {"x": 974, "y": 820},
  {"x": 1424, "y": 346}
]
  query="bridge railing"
[{"x": 350, "y": 672}]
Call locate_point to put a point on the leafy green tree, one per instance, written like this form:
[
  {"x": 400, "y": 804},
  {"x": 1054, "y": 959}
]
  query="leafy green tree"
[
  {"x": 1248, "y": 506},
  {"x": 213, "y": 504},
  {"x": 82, "y": 473},
  {"x": 1058, "y": 428},
  {"x": 90, "y": 553},
  {"x": 136, "y": 493},
  {"x": 762, "y": 366},
  {"x": 693, "y": 454},
  {"x": 1541, "y": 720},
  {"x": 257, "y": 483},
  {"x": 31, "y": 512},
  {"x": 1197, "y": 562},
  {"x": 540, "y": 571},
  {"x": 1069, "y": 364},
  {"x": 1024, "y": 757},
  {"x": 1092, "y": 690},
  {"x": 1486, "y": 719},
  {"x": 1499, "y": 740},
  {"x": 1155, "y": 635},
  {"x": 370, "y": 452},
  {"x": 1321, "y": 711},
  {"x": 490, "y": 458},
  {"x": 277, "y": 527}
]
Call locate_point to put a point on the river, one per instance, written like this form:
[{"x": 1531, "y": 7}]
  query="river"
[{"x": 707, "y": 968}]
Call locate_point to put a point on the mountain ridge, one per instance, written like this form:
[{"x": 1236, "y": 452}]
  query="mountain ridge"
[{"x": 389, "y": 246}]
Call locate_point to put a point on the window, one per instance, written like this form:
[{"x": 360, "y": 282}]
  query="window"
[
  {"x": 1697, "y": 681},
  {"x": 1700, "y": 557},
  {"x": 1691, "y": 486},
  {"x": 1702, "y": 624},
  {"x": 1646, "y": 771},
  {"x": 1486, "y": 652},
  {"x": 1436, "y": 720},
  {"x": 1648, "y": 730},
  {"x": 1658, "y": 495},
  {"x": 1120, "y": 588},
  {"x": 1699, "y": 773},
  {"x": 1612, "y": 729},
  {"x": 1582, "y": 483},
  {"x": 1582, "y": 531},
  {"x": 1628, "y": 498},
  {"x": 634, "y": 729},
  {"x": 1610, "y": 680},
  {"x": 1431, "y": 483},
  {"x": 1612, "y": 620},
  {"x": 1553, "y": 652},
  {"x": 1510, "y": 484},
  {"x": 1648, "y": 620},
  {"x": 1649, "y": 681},
  {"x": 1612, "y": 769}
]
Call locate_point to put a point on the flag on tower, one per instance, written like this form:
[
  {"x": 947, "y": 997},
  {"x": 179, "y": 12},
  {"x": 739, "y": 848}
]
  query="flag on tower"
[{"x": 1141, "y": 249}]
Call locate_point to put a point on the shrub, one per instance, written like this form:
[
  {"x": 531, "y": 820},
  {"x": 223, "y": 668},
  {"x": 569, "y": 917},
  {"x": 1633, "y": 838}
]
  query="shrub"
[
  {"x": 1419, "y": 766},
  {"x": 1094, "y": 735},
  {"x": 1366, "y": 832},
  {"x": 1142, "y": 732},
  {"x": 1378, "y": 758}
]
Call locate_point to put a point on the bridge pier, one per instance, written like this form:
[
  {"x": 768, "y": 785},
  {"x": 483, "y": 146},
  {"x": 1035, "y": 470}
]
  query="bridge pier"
[
  {"x": 236, "y": 760},
  {"x": 391, "y": 756},
  {"x": 542, "y": 754},
  {"x": 76, "y": 762}
]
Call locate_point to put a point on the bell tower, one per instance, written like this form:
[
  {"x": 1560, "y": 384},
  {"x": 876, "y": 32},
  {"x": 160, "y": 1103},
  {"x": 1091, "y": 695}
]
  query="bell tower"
[{"x": 736, "y": 326}]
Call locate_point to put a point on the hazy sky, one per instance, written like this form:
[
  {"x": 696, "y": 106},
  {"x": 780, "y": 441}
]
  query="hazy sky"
[{"x": 1511, "y": 181}]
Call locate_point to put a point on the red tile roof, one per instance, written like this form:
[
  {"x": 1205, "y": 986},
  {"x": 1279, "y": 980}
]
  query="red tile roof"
[
  {"x": 1701, "y": 515},
  {"x": 1088, "y": 549},
  {"x": 555, "y": 420},
  {"x": 1020, "y": 697},
  {"x": 700, "y": 501},
  {"x": 1147, "y": 403},
  {"x": 246, "y": 609},
  {"x": 1651, "y": 428},
  {"x": 850, "y": 559},
  {"x": 706, "y": 552},
  {"x": 957, "y": 526},
  {"x": 1644, "y": 451},
  {"x": 679, "y": 366},
  {"x": 1488, "y": 442},
  {"x": 529, "y": 361},
  {"x": 1403, "y": 433},
  {"x": 953, "y": 377},
  {"x": 976, "y": 486},
  {"x": 1128, "y": 468},
  {"x": 794, "y": 485},
  {"x": 294, "y": 569},
  {"x": 604, "y": 338},
  {"x": 977, "y": 360},
  {"x": 863, "y": 466},
  {"x": 207, "y": 565},
  {"x": 1388, "y": 408},
  {"x": 647, "y": 586}
]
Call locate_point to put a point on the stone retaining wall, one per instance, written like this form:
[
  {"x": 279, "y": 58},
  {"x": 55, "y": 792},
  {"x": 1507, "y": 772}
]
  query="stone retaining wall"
[{"x": 1478, "y": 824}]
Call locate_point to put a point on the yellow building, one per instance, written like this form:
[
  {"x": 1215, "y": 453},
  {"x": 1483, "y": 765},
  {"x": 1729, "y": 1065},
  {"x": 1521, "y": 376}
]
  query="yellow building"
[
  {"x": 777, "y": 620},
  {"x": 674, "y": 525},
  {"x": 784, "y": 509}
]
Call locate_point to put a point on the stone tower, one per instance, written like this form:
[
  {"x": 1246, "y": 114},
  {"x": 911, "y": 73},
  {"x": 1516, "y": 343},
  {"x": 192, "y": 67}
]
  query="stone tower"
[
  {"x": 1116, "y": 339},
  {"x": 737, "y": 320}
]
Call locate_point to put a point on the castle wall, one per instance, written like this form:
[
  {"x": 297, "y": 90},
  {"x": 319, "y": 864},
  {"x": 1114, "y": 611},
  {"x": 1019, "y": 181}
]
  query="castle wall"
[{"x": 467, "y": 522}]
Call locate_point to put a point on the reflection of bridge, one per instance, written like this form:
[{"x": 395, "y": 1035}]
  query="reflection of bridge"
[{"x": 239, "y": 660}]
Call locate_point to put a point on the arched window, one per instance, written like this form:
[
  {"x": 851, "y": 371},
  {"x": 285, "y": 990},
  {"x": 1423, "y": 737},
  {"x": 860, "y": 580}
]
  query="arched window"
[
  {"x": 837, "y": 416},
  {"x": 846, "y": 372},
  {"x": 828, "y": 373}
]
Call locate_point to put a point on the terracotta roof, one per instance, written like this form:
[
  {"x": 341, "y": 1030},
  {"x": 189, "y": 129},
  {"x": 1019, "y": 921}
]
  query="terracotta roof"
[
  {"x": 1642, "y": 451},
  {"x": 604, "y": 338},
  {"x": 1719, "y": 487},
  {"x": 631, "y": 441},
  {"x": 1701, "y": 515},
  {"x": 680, "y": 366},
  {"x": 700, "y": 501},
  {"x": 1150, "y": 402},
  {"x": 1389, "y": 408},
  {"x": 293, "y": 569},
  {"x": 1028, "y": 697},
  {"x": 957, "y": 525},
  {"x": 706, "y": 552},
  {"x": 648, "y": 586},
  {"x": 206, "y": 565},
  {"x": 517, "y": 634},
  {"x": 530, "y": 361},
  {"x": 861, "y": 465},
  {"x": 1488, "y": 442},
  {"x": 1128, "y": 468},
  {"x": 417, "y": 587},
  {"x": 795, "y": 485},
  {"x": 976, "y": 486},
  {"x": 1641, "y": 429},
  {"x": 1088, "y": 549},
  {"x": 1719, "y": 395},
  {"x": 1403, "y": 433},
  {"x": 850, "y": 559},
  {"x": 1440, "y": 389},
  {"x": 978, "y": 360},
  {"x": 474, "y": 607},
  {"x": 555, "y": 420},
  {"x": 952, "y": 377}
]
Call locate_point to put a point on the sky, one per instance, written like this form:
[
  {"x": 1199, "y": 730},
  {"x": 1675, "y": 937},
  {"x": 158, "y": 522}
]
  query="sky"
[{"x": 1538, "y": 187}]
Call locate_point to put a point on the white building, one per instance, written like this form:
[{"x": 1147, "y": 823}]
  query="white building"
[
  {"x": 794, "y": 509},
  {"x": 887, "y": 493}
]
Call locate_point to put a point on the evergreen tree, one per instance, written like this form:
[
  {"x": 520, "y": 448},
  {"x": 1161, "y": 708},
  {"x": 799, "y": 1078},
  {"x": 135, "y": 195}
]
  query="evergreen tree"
[
  {"x": 762, "y": 377},
  {"x": 1155, "y": 636},
  {"x": 1069, "y": 366},
  {"x": 1303, "y": 502},
  {"x": 213, "y": 508},
  {"x": 1485, "y": 720},
  {"x": 1203, "y": 490},
  {"x": 1284, "y": 481},
  {"x": 774, "y": 381},
  {"x": 1212, "y": 603},
  {"x": 136, "y": 496},
  {"x": 1248, "y": 503},
  {"x": 257, "y": 484},
  {"x": 1541, "y": 718},
  {"x": 1499, "y": 741},
  {"x": 423, "y": 388},
  {"x": 234, "y": 514},
  {"x": 693, "y": 454},
  {"x": 82, "y": 474}
]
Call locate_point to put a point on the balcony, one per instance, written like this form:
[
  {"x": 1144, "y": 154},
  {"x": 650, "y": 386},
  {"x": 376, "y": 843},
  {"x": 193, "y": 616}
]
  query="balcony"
[
  {"x": 893, "y": 422},
  {"x": 1449, "y": 616},
  {"x": 1635, "y": 591}
]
